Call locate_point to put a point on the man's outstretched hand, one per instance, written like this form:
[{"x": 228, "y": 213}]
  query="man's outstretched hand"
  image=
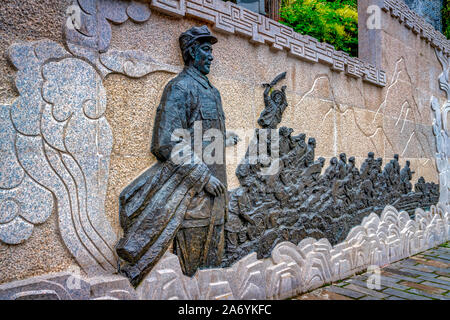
[{"x": 215, "y": 187}]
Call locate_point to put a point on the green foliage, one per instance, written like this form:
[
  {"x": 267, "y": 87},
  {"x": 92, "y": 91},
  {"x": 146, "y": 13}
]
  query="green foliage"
[
  {"x": 334, "y": 22},
  {"x": 446, "y": 19}
]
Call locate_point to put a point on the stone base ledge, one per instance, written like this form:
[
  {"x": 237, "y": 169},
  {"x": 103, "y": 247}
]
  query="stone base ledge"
[{"x": 291, "y": 269}]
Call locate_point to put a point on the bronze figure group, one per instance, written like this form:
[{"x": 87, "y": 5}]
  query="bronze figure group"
[{"x": 187, "y": 205}]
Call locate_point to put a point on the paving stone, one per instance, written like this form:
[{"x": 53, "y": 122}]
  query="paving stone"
[
  {"x": 445, "y": 262},
  {"x": 369, "y": 298},
  {"x": 400, "y": 272},
  {"x": 405, "y": 262},
  {"x": 432, "y": 253},
  {"x": 445, "y": 257},
  {"x": 340, "y": 284},
  {"x": 445, "y": 274},
  {"x": 367, "y": 291},
  {"x": 442, "y": 251},
  {"x": 421, "y": 267},
  {"x": 435, "y": 280},
  {"x": 321, "y": 294},
  {"x": 391, "y": 282},
  {"x": 334, "y": 296},
  {"x": 400, "y": 277},
  {"x": 432, "y": 263},
  {"x": 429, "y": 295},
  {"x": 361, "y": 277},
  {"x": 437, "y": 285},
  {"x": 345, "y": 292},
  {"x": 420, "y": 273},
  {"x": 409, "y": 261},
  {"x": 419, "y": 259},
  {"x": 436, "y": 268},
  {"x": 387, "y": 278},
  {"x": 444, "y": 278},
  {"x": 394, "y": 285},
  {"x": 405, "y": 295},
  {"x": 394, "y": 298},
  {"x": 423, "y": 287}
]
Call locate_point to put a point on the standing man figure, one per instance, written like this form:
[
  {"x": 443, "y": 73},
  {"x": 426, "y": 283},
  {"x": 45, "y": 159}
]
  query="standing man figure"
[{"x": 193, "y": 194}]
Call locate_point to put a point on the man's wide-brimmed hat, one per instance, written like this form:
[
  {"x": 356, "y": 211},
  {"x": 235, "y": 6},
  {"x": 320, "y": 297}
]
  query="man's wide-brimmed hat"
[{"x": 188, "y": 37}]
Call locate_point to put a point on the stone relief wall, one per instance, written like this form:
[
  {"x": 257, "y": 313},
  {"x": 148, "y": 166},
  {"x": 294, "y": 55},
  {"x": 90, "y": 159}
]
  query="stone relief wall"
[
  {"x": 57, "y": 141},
  {"x": 440, "y": 130},
  {"x": 298, "y": 201},
  {"x": 79, "y": 156},
  {"x": 230, "y": 18},
  {"x": 291, "y": 269}
]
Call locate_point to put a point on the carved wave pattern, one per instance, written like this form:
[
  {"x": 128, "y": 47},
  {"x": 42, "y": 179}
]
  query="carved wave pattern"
[
  {"x": 290, "y": 270},
  {"x": 55, "y": 140}
]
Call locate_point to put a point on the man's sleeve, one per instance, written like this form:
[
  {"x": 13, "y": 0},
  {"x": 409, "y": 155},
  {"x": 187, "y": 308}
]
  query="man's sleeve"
[{"x": 170, "y": 116}]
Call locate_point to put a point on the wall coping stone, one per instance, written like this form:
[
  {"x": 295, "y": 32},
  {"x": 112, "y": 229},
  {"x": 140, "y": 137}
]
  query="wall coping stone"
[
  {"x": 230, "y": 18},
  {"x": 398, "y": 9}
]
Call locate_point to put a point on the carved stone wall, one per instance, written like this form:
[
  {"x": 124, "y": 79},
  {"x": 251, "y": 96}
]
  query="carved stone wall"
[
  {"x": 63, "y": 165},
  {"x": 291, "y": 269}
]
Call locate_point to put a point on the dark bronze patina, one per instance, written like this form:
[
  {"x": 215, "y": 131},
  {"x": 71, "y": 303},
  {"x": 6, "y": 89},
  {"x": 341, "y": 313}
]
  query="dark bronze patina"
[
  {"x": 172, "y": 203},
  {"x": 299, "y": 201}
]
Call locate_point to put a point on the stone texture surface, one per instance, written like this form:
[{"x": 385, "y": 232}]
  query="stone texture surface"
[
  {"x": 330, "y": 105},
  {"x": 62, "y": 143},
  {"x": 26, "y": 21},
  {"x": 289, "y": 271},
  {"x": 414, "y": 21},
  {"x": 57, "y": 140},
  {"x": 430, "y": 10}
]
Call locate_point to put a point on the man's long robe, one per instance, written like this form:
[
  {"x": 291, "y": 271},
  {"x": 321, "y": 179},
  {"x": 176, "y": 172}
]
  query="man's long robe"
[{"x": 168, "y": 197}]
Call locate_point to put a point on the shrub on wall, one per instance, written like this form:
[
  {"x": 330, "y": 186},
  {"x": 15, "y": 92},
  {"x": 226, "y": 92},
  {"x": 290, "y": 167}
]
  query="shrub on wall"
[
  {"x": 446, "y": 19},
  {"x": 334, "y": 22}
]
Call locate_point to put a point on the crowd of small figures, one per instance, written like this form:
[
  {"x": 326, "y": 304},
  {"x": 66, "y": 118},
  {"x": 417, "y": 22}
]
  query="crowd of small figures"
[{"x": 298, "y": 201}]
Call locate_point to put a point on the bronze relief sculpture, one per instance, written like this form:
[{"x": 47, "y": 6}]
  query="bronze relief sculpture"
[
  {"x": 183, "y": 199},
  {"x": 183, "y": 203},
  {"x": 275, "y": 104}
]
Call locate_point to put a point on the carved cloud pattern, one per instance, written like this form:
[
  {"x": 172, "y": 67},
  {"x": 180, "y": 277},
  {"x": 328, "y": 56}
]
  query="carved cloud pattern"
[
  {"x": 440, "y": 130},
  {"x": 54, "y": 138}
]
